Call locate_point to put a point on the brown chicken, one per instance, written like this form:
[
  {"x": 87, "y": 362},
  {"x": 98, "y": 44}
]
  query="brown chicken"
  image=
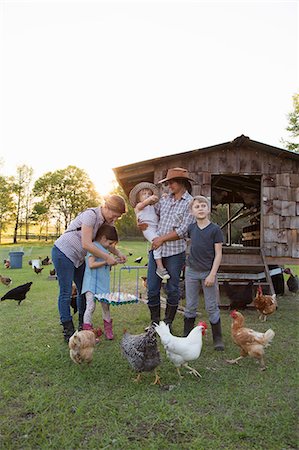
[
  {"x": 82, "y": 345},
  {"x": 5, "y": 280},
  {"x": 252, "y": 343},
  {"x": 265, "y": 304},
  {"x": 37, "y": 269}
]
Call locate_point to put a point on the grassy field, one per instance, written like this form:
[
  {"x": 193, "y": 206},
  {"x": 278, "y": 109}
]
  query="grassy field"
[{"x": 47, "y": 402}]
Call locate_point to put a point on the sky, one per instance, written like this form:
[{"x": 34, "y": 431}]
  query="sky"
[{"x": 101, "y": 84}]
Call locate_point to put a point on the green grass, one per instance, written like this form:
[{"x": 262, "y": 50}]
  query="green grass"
[{"x": 47, "y": 402}]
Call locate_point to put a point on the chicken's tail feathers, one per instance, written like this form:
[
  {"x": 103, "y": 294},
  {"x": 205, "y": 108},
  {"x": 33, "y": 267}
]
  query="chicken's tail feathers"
[
  {"x": 162, "y": 328},
  {"x": 268, "y": 336},
  {"x": 75, "y": 341}
]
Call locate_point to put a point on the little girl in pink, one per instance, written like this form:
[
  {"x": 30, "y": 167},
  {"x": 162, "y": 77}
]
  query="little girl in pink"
[{"x": 97, "y": 278}]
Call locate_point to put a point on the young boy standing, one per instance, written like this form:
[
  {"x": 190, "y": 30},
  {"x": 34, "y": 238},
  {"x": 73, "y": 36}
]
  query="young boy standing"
[{"x": 202, "y": 265}]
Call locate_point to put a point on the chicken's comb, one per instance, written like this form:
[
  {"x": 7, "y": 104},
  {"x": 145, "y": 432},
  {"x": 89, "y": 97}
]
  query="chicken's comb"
[
  {"x": 233, "y": 313},
  {"x": 203, "y": 324},
  {"x": 259, "y": 289}
]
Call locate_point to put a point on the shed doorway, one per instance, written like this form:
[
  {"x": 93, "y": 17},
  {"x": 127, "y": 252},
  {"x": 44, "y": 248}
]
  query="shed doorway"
[{"x": 236, "y": 207}]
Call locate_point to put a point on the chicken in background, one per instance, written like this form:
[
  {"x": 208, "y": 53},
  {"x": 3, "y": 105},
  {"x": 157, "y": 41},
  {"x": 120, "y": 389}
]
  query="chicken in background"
[
  {"x": 292, "y": 281},
  {"x": 37, "y": 269},
  {"x": 239, "y": 296},
  {"x": 18, "y": 293},
  {"x": 5, "y": 280},
  {"x": 81, "y": 345},
  {"x": 265, "y": 304},
  {"x": 46, "y": 261},
  {"x": 138, "y": 260},
  {"x": 73, "y": 303},
  {"x": 141, "y": 352},
  {"x": 252, "y": 343},
  {"x": 6, "y": 264},
  {"x": 181, "y": 350}
]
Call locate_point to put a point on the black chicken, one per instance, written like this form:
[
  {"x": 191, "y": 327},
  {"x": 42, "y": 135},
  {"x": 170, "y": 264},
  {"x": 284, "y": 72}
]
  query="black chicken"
[
  {"x": 142, "y": 352},
  {"x": 74, "y": 298},
  {"x": 18, "y": 293},
  {"x": 239, "y": 296},
  {"x": 46, "y": 261},
  {"x": 292, "y": 281},
  {"x": 37, "y": 269}
]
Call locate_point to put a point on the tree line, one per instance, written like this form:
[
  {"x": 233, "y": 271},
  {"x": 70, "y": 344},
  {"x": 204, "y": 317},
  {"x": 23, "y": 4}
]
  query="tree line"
[{"x": 51, "y": 202}]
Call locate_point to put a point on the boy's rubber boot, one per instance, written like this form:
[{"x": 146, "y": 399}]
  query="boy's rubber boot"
[
  {"x": 108, "y": 329},
  {"x": 87, "y": 326},
  {"x": 188, "y": 325},
  {"x": 170, "y": 313},
  {"x": 217, "y": 336},
  {"x": 68, "y": 329}
]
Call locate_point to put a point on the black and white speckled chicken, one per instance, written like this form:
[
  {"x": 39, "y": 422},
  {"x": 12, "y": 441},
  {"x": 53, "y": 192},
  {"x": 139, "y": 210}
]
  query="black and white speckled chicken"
[{"x": 142, "y": 352}]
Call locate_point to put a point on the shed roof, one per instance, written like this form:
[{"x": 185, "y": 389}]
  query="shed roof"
[{"x": 128, "y": 175}]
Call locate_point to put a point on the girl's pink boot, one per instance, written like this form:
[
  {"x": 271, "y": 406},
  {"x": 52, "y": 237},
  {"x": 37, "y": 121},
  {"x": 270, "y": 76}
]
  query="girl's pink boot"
[
  {"x": 108, "y": 329},
  {"x": 97, "y": 331}
]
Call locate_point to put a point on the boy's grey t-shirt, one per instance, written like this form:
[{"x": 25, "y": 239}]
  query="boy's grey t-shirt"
[{"x": 202, "y": 250}]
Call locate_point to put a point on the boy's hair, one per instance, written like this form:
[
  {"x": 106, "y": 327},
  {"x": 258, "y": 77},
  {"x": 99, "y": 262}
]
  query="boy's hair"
[
  {"x": 200, "y": 199},
  {"x": 109, "y": 231}
]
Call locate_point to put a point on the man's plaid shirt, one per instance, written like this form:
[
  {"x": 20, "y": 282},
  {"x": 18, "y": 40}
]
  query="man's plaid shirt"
[{"x": 174, "y": 216}]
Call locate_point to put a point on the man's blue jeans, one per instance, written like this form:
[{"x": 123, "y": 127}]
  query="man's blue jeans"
[
  {"x": 174, "y": 265},
  {"x": 67, "y": 273}
]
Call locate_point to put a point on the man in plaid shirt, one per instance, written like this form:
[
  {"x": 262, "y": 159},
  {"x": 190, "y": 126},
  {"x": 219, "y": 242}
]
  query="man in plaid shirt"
[{"x": 175, "y": 217}]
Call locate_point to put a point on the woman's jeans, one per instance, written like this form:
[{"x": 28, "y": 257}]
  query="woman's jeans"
[
  {"x": 174, "y": 265},
  {"x": 67, "y": 273}
]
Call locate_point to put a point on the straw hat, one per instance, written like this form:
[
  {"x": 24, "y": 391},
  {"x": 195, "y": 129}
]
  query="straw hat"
[
  {"x": 136, "y": 189},
  {"x": 176, "y": 172}
]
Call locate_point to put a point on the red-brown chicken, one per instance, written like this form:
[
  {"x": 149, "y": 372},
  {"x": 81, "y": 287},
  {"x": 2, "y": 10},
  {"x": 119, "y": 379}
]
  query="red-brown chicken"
[
  {"x": 265, "y": 304},
  {"x": 252, "y": 343}
]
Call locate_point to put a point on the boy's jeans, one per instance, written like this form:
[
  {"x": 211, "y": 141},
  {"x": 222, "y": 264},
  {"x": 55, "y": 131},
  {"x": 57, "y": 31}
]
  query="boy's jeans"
[{"x": 193, "y": 279}]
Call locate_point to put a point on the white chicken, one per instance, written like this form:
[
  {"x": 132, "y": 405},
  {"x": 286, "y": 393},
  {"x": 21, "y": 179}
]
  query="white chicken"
[{"x": 181, "y": 350}]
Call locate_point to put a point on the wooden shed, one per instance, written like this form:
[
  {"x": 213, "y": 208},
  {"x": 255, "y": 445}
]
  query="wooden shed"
[{"x": 261, "y": 180}]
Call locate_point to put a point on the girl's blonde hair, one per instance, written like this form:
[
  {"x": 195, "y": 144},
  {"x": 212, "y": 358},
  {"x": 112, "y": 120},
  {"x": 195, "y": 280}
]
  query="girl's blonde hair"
[{"x": 200, "y": 199}]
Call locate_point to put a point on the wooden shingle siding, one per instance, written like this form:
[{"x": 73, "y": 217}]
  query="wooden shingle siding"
[{"x": 277, "y": 168}]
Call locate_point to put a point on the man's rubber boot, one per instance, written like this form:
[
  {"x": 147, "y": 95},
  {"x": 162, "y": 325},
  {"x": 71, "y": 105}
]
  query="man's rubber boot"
[{"x": 170, "y": 313}]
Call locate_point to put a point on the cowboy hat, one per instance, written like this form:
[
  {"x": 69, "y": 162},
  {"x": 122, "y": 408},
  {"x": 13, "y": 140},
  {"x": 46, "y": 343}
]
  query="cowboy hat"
[
  {"x": 136, "y": 189},
  {"x": 176, "y": 172}
]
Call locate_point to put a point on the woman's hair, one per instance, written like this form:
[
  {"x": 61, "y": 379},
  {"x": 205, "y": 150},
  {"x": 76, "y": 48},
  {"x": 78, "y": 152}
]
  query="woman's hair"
[
  {"x": 109, "y": 231},
  {"x": 115, "y": 203}
]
